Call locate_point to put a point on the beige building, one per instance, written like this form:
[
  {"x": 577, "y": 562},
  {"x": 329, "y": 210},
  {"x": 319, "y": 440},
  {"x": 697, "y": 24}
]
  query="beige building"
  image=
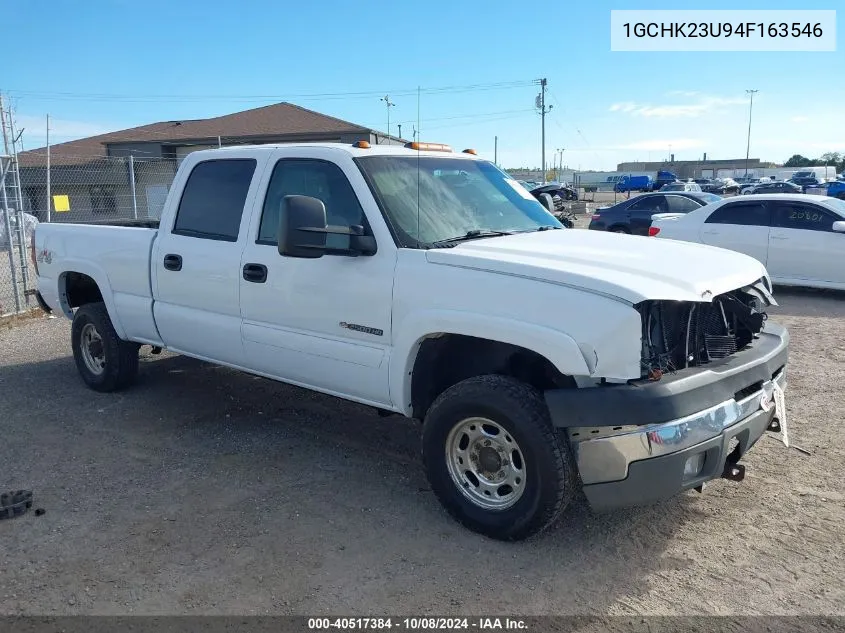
[{"x": 128, "y": 173}]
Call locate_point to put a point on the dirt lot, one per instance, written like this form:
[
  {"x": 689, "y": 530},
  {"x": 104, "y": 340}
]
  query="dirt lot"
[{"x": 203, "y": 491}]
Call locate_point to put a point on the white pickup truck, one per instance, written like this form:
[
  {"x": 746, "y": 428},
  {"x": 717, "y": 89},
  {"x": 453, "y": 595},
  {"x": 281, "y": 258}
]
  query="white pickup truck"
[{"x": 542, "y": 361}]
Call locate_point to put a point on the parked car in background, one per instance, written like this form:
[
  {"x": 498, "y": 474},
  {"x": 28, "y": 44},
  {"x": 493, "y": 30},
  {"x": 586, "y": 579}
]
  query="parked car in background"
[
  {"x": 561, "y": 189},
  {"x": 709, "y": 185},
  {"x": 634, "y": 216},
  {"x": 775, "y": 187},
  {"x": 651, "y": 181},
  {"x": 748, "y": 184},
  {"x": 835, "y": 189},
  {"x": 808, "y": 178},
  {"x": 680, "y": 186},
  {"x": 719, "y": 186},
  {"x": 799, "y": 238},
  {"x": 730, "y": 186}
]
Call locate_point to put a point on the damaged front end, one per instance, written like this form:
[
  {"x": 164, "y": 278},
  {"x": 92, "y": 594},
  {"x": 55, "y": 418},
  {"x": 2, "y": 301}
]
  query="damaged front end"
[{"x": 681, "y": 334}]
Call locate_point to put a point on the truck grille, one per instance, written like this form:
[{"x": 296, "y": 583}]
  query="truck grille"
[{"x": 679, "y": 334}]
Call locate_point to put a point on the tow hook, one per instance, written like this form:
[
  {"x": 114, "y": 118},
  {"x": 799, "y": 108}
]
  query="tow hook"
[
  {"x": 774, "y": 426},
  {"x": 734, "y": 472}
]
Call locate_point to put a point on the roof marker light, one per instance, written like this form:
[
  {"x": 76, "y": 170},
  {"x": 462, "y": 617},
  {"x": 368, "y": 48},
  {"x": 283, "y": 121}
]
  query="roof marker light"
[{"x": 428, "y": 147}]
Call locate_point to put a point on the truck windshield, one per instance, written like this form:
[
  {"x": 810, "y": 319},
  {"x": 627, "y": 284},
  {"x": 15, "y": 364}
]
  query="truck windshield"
[{"x": 431, "y": 200}]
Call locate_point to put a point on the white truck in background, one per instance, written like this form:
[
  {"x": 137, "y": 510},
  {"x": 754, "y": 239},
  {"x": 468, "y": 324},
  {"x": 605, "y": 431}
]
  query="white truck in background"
[{"x": 428, "y": 283}]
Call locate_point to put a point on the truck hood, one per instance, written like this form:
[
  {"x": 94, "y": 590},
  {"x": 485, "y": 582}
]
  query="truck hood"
[{"x": 627, "y": 267}]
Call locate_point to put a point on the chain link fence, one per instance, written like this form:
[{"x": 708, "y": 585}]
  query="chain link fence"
[{"x": 74, "y": 189}]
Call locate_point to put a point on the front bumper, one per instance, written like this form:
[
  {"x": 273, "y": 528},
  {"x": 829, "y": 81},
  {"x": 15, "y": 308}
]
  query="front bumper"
[
  {"x": 632, "y": 442},
  {"x": 654, "y": 459}
]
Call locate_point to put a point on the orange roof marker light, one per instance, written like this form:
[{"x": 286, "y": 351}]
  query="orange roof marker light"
[
  {"x": 428, "y": 147},
  {"x": 361, "y": 145},
  {"x": 471, "y": 151}
]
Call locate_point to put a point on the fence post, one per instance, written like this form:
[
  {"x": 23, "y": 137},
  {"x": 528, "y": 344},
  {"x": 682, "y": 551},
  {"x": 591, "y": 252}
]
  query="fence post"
[
  {"x": 132, "y": 185},
  {"x": 49, "y": 195},
  {"x": 4, "y": 169}
]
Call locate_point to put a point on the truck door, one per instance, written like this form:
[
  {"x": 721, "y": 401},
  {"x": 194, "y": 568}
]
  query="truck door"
[
  {"x": 196, "y": 259},
  {"x": 324, "y": 322}
]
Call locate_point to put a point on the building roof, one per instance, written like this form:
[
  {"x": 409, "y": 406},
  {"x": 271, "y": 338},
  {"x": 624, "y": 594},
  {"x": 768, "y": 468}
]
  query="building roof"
[{"x": 274, "y": 121}]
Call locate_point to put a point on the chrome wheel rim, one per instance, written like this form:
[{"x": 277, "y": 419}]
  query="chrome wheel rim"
[
  {"x": 485, "y": 463},
  {"x": 92, "y": 349}
]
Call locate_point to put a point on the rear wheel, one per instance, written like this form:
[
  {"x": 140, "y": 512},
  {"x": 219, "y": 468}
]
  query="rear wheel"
[
  {"x": 494, "y": 460},
  {"x": 104, "y": 360},
  {"x": 619, "y": 229}
]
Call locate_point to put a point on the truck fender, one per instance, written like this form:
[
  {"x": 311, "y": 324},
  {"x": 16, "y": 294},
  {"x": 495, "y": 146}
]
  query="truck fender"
[
  {"x": 558, "y": 347},
  {"x": 98, "y": 275}
]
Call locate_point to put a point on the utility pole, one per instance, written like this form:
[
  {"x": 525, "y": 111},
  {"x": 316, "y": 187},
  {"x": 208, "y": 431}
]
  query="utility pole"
[
  {"x": 388, "y": 104},
  {"x": 748, "y": 144},
  {"x": 496, "y": 150},
  {"x": 49, "y": 196},
  {"x": 400, "y": 130},
  {"x": 540, "y": 103},
  {"x": 558, "y": 170}
]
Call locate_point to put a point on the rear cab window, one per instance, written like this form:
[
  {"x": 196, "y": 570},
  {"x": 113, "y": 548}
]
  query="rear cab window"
[{"x": 212, "y": 202}]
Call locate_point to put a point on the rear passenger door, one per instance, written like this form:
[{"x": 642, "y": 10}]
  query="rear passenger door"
[
  {"x": 196, "y": 258},
  {"x": 741, "y": 226}
]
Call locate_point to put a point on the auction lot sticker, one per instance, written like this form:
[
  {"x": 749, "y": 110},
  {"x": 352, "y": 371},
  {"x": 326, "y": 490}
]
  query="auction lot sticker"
[{"x": 723, "y": 30}]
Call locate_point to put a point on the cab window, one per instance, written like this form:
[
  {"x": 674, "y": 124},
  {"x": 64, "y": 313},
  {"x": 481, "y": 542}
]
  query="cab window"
[{"x": 316, "y": 178}]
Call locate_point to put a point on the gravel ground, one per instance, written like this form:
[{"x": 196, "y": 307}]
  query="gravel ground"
[{"x": 205, "y": 491}]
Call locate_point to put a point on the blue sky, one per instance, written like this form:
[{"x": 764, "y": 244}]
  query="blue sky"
[{"x": 111, "y": 64}]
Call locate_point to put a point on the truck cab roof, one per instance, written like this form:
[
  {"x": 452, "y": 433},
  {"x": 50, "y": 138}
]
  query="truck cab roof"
[{"x": 351, "y": 149}]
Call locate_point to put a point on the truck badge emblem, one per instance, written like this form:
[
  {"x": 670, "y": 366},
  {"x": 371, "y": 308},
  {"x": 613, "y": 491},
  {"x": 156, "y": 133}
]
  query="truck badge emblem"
[{"x": 362, "y": 328}]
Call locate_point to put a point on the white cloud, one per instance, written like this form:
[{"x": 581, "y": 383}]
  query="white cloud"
[
  {"x": 702, "y": 105},
  {"x": 626, "y": 106}
]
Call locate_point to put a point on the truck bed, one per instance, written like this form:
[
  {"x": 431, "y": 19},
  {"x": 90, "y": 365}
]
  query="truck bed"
[{"x": 116, "y": 255}]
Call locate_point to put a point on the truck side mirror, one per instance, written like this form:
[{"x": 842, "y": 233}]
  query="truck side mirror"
[
  {"x": 839, "y": 226},
  {"x": 302, "y": 227}
]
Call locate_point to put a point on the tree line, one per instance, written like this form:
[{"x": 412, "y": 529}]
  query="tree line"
[{"x": 829, "y": 159}]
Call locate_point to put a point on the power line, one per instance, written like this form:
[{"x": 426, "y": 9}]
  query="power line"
[{"x": 146, "y": 98}]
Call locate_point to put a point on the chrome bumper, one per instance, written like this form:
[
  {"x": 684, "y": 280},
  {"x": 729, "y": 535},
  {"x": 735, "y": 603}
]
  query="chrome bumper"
[{"x": 604, "y": 454}]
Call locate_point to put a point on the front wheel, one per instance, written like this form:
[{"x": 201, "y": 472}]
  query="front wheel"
[
  {"x": 104, "y": 360},
  {"x": 494, "y": 460}
]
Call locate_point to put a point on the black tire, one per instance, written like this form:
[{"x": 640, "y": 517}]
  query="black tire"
[
  {"x": 121, "y": 357},
  {"x": 551, "y": 479},
  {"x": 619, "y": 229}
]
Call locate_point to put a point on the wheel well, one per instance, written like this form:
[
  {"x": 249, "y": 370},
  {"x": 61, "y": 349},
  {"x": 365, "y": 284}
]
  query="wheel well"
[
  {"x": 448, "y": 359},
  {"x": 80, "y": 289},
  {"x": 618, "y": 226}
]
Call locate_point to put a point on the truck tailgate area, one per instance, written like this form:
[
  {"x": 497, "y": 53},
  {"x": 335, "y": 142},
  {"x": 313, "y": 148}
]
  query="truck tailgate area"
[{"x": 116, "y": 257}]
